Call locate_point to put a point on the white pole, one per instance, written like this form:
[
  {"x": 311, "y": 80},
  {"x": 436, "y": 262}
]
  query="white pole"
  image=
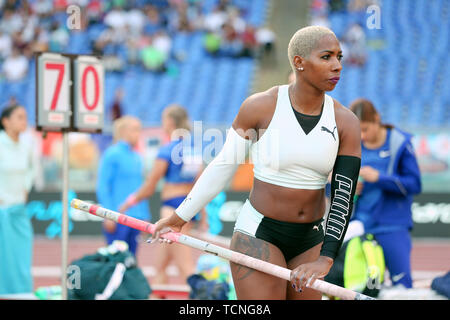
[{"x": 65, "y": 214}]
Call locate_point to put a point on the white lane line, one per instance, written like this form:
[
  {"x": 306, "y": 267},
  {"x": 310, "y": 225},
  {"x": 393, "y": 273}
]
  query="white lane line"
[{"x": 55, "y": 271}]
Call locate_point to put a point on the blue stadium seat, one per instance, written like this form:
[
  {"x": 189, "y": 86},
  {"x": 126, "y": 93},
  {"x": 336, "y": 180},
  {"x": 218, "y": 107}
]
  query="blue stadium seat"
[{"x": 405, "y": 79}]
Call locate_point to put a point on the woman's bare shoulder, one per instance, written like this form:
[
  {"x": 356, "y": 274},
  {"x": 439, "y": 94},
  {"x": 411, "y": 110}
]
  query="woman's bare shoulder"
[
  {"x": 262, "y": 100},
  {"x": 345, "y": 118},
  {"x": 255, "y": 109},
  {"x": 349, "y": 130}
]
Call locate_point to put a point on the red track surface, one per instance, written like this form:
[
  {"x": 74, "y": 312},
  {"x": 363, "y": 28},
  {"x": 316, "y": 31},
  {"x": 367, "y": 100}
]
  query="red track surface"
[{"x": 429, "y": 258}]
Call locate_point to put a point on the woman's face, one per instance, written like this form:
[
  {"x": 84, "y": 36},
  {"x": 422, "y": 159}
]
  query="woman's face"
[
  {"x": 323, "y": 67},
  {"x": 167, "y": 123},
  {"x": 17, "y": 121},
  {"x": 369, "y": 131},
  {"x": 133, "y": 132}
]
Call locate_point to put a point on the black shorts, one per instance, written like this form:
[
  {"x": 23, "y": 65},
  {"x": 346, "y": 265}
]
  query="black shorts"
[{"x": 291, "y": 238}]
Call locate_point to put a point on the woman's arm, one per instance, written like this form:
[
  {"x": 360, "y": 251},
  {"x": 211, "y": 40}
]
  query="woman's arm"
[
  {"x": 407, "y": 181},
  {"x": 221, "y": 169},
  {"x": 343, "y": 182},
  {"x": 148, "y": 187},
  {"x": 343, "y": 185}
]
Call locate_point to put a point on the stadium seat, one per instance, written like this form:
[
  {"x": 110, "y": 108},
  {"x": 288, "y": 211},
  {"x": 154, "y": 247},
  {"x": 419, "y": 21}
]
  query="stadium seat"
[{"x": 405, "y": 77}]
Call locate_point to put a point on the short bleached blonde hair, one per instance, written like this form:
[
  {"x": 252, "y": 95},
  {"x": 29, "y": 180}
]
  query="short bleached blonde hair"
[
  {"x": 305, "y": 40},
  {"x": 120, "y": 124}
]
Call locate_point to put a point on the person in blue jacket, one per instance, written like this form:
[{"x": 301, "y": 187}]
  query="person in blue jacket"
[
  {"x": 120, "y": 173},
  {"x": 179, "y": 163},
  {"x": 17, "y": 175},
  {"x": 389, "y": 179}
]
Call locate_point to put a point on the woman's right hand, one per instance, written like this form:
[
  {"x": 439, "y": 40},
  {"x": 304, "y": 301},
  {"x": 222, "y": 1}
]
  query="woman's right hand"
[{"x": 170, "y": 224}]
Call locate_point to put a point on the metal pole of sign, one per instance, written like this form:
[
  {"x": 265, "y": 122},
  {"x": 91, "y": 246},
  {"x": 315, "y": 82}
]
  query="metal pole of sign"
[{"x": 65, "y": 214}]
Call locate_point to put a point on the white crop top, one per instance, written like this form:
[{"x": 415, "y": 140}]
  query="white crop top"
[{"x": 284, "y": 155}]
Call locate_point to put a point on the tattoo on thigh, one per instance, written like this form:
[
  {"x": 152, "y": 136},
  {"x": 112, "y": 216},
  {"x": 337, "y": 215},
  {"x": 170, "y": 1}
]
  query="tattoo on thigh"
[{"x": 250, "y": 246}]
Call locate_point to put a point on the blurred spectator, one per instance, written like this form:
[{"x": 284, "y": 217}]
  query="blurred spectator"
[
  {"x": 215, "y": 20},
  {"x": 231, "y": 43},
  {"x": 235, "y": 19},
  {"x": 11, "y": 5},
  {"x": 40, "y": 40},
  {"x": 194, "y": 14},
  {"x": 116, "y": 109},
  {"x": 5, "y": 45},
  {"x": 11, "y": 21},
  {"x": 249, "y": 42},
  {"x": 15, "y": 66},
  {"x": 18, "y": 41},
  {"x": 135, "y": 19},
  {"x": 153, "y": 21},
  {"x": 108, "y": 45},
  {"x": 94, "y": 11},
  {"x": 42, "y": 7},
  {"x": 133, "y": 47},
  {"x": 153, "y": 58},
  {"x": 106, "y": 36},
  {"x": 265, "y": 38},
  {"x": 355, "y": 39},
  {"x": 179, "y": 164},
  {"x": 178, "y": 18},
  {"x": 31, "y": 22},
  {"x": 211, "y": 42},
  {"x": 163, "y": 43},
  {"x": 59, "y": 37},
  {"x": 17, "y": 176},
  {"x": 121, "y": 173},
  {"x": 388, "y": 180},
  {"x": 115, "y": 19}
]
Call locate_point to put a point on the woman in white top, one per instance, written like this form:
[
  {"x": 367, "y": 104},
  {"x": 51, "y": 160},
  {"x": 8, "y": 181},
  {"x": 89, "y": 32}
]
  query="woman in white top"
[
  {"x": 296, "y": 135},
  {"x": 16, "y": 178}
]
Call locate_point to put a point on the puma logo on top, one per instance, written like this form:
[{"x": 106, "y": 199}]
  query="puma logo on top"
[{"x": 330, "y": 132}]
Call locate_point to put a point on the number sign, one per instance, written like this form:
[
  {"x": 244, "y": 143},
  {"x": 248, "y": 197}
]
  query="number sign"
[
  {"x": 53, "y": 92},
  {"x": 88, "y": 93}
]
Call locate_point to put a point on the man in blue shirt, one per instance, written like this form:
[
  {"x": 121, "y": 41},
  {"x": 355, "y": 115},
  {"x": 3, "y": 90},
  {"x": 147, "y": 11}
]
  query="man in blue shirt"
[{"x": 120, "y": 174}]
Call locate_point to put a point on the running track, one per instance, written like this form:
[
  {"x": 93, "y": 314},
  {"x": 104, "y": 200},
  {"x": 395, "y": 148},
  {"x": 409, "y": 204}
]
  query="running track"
[{"x": 430, "y": 258}]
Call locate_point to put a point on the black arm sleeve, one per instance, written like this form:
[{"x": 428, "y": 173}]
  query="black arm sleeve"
[{"x": 343, "y": 186}]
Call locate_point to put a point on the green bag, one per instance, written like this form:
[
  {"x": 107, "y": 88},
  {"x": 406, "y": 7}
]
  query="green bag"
[
  {"x": 106, "y": 268},
  {"x": 359, "y": 266}
]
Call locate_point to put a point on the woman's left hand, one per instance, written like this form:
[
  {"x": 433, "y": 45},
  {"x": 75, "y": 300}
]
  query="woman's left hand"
[{"x": 306, "y": 274}]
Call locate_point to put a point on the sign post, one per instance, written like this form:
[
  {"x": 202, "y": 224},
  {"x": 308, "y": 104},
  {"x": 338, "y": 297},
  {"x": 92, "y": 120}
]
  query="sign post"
[
  {"x": 54, "y": 111},
  {"x": 69, "y": 97},
  {"x": 65, "y": 215}
]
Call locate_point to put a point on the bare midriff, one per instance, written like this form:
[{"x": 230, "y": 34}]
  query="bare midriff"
[{"x": 287, "y": 204}]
